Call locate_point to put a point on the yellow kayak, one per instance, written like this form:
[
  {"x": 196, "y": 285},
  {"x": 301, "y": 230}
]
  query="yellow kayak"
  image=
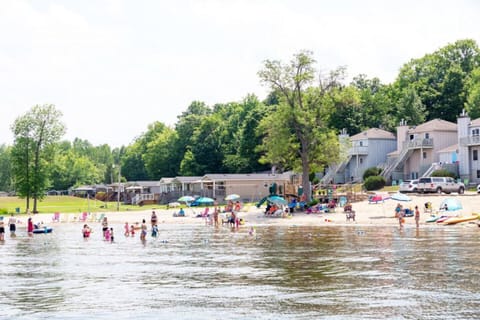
[{"x": 455, "y": 220}]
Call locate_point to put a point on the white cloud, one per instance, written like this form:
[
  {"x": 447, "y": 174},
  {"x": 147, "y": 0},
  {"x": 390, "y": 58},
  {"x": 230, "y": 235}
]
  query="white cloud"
[{"x": 115, "y": 66}]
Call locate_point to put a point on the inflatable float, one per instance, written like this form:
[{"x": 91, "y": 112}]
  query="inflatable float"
[{"x": 43, "y": 230}]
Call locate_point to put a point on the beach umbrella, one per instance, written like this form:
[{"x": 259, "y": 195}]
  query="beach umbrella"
[
  {"x": 232, "y": 197},
  {"x": 277, "y": 200},
  {"x": 204, "y": 200},
  {"x": 186, "y": 199},
  {"x": 400, "y": 197},
  {"x": 451, "y": 204}
]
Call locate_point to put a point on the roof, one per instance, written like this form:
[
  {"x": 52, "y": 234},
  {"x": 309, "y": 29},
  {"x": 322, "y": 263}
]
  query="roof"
[
  {"x": 434, "y": 125},
  {"x": 246, "y": 176},
  {"x": 373, "y": 133},
  {"x": 143, "y": 183},
  {"x": 166, "y": 180},
  {"x": 449, "y": 149},
  {"x": 186, "y": 179},
  {"x": 475, "y": 123}
]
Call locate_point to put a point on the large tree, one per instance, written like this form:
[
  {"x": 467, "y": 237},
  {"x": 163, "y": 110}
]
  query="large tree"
[
  {"x": 35, "y": 135},
  {"x": 5, "y": 168},
  {"x": 440, "y": 78},
  {"x": 296, "y": 132}
]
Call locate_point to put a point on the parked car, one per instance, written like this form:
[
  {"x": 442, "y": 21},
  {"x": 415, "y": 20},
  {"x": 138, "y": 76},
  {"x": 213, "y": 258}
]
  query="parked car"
[
  {"x": 478, "y": 188},
  {"x": 440, "y": 184},
  {"x": 408, "y": 186}
]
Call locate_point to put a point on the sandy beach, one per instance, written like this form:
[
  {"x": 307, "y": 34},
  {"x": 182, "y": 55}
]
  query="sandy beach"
[{"x": 367, "y": 214}]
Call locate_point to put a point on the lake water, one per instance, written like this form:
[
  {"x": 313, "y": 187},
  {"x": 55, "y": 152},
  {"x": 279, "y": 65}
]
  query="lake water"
[{"x": 197, "y": 272}]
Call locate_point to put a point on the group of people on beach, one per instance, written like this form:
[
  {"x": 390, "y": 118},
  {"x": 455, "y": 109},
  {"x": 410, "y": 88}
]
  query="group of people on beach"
[{"x": 400, "y": 215}]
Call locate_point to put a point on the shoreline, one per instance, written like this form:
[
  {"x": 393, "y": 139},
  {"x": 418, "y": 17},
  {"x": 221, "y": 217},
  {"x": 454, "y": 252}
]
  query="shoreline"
[{"x": 367, "y": 214}]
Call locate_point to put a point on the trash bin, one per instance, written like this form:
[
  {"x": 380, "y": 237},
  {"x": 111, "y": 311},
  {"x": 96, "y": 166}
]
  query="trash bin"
[{"x": 17, "y": 210}]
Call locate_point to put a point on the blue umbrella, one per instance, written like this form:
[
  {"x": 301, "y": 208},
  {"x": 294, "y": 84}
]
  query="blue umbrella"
[
  {"x": 451, "y": 204},
  {"x": 204, "y": 200},
  {"x": 277, "y": 200}
]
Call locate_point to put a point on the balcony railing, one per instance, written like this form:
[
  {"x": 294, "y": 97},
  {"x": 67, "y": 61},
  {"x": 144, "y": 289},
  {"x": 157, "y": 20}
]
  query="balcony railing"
[
  {"x": 470, "y": 141},
  {"x": 418, "y": 143},
  {"x": 358, "y": 150}
]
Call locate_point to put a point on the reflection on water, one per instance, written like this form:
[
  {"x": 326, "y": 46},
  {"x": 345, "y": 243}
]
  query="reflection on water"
[{"x": 197, "y": 272}]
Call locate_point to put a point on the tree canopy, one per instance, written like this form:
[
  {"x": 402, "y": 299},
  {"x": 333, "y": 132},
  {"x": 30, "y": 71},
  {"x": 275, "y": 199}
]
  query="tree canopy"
[{"x": 294, "y": 128}]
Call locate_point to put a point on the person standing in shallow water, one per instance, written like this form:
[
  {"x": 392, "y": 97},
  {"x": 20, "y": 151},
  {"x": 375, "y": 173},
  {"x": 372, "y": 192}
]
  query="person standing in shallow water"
[
  {"x": 154, "y": 219},
  {"x": 417, "y": 216},
  {"x": 143, "y": 233},
  {"x": 2, "y": 229},
  {"x": 105, "y": 228},
  {"x": 13, "y": 227},
  {"x": 30, "y": 227}
]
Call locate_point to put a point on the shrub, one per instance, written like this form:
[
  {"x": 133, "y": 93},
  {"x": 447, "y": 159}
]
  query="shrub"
[
  {"x": 3, "y": 211},
  {"x": 313, "y": 203},
  {"x": 443, "y": 173},
  {"x": 374, "y": 183},
  {"x": 373, "y": 171}
]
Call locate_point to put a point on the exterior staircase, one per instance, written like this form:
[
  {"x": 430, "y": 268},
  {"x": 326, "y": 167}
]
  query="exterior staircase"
[
  {"x": 404, "y": 155},
  {"x": 334, "y": 169}
]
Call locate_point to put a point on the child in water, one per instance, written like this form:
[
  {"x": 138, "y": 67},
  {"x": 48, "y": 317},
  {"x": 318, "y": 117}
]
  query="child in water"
[
  {"x": 132, "y": 230},
  {"x": 86, "y": 231},
  {"x": 154, "y": 231}
]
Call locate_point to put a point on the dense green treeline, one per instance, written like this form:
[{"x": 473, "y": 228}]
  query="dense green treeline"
[{"x": 298, "y": 120}]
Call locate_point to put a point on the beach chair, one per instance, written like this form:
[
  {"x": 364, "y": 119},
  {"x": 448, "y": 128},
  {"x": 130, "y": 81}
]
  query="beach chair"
[
  {"x": 350, "y": 215},
  {"x": 93, "y": 217},
  {"x": 83, "y": 217},
  {"x": 204, "y": 214},
  {"x": 100, "y": 218},
  {"x": 56, "y": 217}
]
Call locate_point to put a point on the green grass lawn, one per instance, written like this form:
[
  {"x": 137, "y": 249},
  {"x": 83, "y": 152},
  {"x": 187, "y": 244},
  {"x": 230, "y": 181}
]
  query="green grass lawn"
[{"x": 67, "y": 204}]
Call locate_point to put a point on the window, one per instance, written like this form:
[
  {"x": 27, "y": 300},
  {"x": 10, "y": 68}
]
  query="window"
[
  {"x": 478, "y": 173},
  {"x": 475, "y": 155},
  {"x": 361, "y": 143},
  {"x": 424, "y": 155},
  {"x": 475, "y": 132},
  {"x": 361, "y": 160},
  {"x": 427, "y": 135},
  {"x": 412, "y": 137}
]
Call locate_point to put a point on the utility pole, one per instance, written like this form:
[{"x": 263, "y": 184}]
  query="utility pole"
[{"x": 118, "y": 191}]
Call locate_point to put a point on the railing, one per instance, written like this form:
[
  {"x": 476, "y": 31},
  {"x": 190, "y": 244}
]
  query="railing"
[
  {"x": 358, "y": 150},
  {"x": 406, "y": 152},
  {"x": 418, "y": 143},
  {"x": 470, "y": 141},
  {"x": 143, "y": 197}
]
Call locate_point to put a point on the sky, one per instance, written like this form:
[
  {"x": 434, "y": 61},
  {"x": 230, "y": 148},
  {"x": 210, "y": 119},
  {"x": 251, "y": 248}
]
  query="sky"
[{"x": 112, "y": 67}]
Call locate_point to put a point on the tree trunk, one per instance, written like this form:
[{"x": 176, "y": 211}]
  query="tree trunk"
[{"x": 305, "y": 177}]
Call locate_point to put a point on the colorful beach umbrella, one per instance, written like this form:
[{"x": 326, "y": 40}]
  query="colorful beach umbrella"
[
  {"x": 186, "y": 199},
  {"x": 232, "y": 197},
  {"x": 277, "y": 200}
]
